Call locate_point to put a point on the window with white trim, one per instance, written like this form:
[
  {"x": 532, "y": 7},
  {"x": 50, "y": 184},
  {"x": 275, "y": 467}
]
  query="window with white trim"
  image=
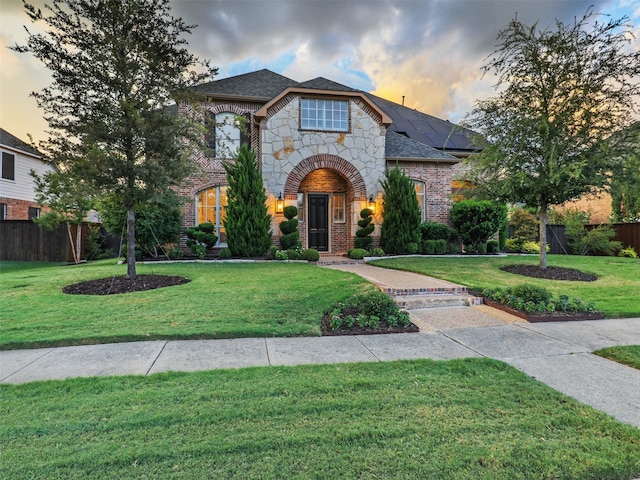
[
  {"x": 3, "y": 211},
  {"x": 322, "y": 114},
  {"x": 421, "y": 195},
  {"x": 211, "y": 206},
  {"x": 33, "y": 212},
  {"x": 338, "y": 208}
]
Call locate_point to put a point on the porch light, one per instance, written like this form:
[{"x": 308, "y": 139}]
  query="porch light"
[
  {"x": 371, "y": 205},
  {"x": 279, "y": 204}
]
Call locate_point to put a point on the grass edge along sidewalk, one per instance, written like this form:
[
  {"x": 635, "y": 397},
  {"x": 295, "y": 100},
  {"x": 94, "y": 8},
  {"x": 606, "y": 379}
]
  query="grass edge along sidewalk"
[
  {"x": 226, "y": 300},
  {"x": 473, "y": 418}
]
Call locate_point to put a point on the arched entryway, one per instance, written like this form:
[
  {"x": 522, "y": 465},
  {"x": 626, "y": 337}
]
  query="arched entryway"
[{"x": 327, "y": 190}]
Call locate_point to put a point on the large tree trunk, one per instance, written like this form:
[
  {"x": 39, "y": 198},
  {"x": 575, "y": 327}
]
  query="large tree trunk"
[
  {"x": 131, "y": 243},
  {"x": 544, "y": 208}
]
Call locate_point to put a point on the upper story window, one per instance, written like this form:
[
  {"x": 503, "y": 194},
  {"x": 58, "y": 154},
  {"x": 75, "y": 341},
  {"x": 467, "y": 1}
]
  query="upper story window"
[
  {"x": 320, "y": 114},
  {"x": 8, "y": 166},
  {"x": 226, "y": 132}
]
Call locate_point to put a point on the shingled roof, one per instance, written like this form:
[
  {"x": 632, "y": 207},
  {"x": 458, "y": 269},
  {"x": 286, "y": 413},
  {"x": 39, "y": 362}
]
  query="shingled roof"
[
  {"x": 14, "y": 142},
  {"x": 429, "y": 136}
]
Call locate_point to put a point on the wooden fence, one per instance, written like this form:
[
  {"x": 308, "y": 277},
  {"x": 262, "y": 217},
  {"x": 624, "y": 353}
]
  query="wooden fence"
[
  {"x": 23, "y": 240},
  {"x": 626, "y": 233}
]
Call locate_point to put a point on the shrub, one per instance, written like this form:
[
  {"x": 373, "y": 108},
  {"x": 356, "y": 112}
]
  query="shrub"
[
  {"x": 201, "y": 238},
  {"x": 311, "y": 255},
  {"x": 282, "y": 255},
  {"x": 289, "y": 228},
  {"x": 174, "y": 251},
  {"x": 412, "y": 247},
  {"x": 598, "y": 239},
  {"x": 363, "y": 240},
  {"x": 477, "y": 221},
  {"x": 493, "y": 246},
  {"x": 524, "y": 225},
  {"x": 532, "y": 293},
  {"x": 247, "y": 222},
  {"x": 628, "y": 252},
  {"x": 294, "y": 254},
  {"x": 225, "y": 254},
  {"x": 437, "y": 231},
  {"x": 429, "y": 247},
  {"x": 482, "y": 248},
  {"x": 514, "y": 245},
  {"x": 453, "y": 248},
  {"x": 440, "y": 247},
  {"x": 532, "y": 298},
  {"x": 401, "y": 214},
  {"x": 377, "y": 252},
  {"x": 272, "y": 251},
  {"x": 358, "y": 253}
]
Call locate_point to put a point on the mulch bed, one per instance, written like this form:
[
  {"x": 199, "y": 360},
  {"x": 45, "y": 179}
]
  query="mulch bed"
[
  {"x": 547, "y": 316},
  {"x": 550, "y": 273},
  {"x": 115, "y": 285}
]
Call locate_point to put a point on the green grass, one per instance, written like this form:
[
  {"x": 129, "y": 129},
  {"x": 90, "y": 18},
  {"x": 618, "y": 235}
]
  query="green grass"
[
  {"x": 461, "y": 419},
  {"x": 221, "y": 301},
  {"x": 615, "y": 292},
  {"x": 628, "y": 355}
]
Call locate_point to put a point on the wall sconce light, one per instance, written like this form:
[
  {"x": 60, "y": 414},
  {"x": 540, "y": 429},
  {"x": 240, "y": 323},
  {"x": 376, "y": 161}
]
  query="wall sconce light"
[
  {"x": 371, "y": 205},
  {"x": 279, "y": 204}
]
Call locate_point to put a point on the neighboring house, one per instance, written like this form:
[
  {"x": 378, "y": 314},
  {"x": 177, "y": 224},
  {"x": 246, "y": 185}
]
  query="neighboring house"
[
  {"x": 324, "y": 147},
  {"x": 17, "y": 187}
]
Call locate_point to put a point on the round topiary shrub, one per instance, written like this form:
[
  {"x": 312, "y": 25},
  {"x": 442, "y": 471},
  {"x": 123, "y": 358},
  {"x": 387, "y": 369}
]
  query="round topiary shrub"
[
  {"x": 358, "y": 253},
  {"x": 363, "y": 240},
  {"x": 289, "y": 228},
  {"x": 311, "y": 255}
]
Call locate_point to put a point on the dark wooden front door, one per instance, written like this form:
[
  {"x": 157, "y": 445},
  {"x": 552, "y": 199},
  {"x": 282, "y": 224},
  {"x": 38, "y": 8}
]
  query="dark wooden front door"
[{"x": 319, "y": 222}]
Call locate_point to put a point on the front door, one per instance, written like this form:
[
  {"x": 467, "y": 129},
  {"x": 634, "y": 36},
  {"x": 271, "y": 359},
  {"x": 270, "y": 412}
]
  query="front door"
[{"x": 318, "y": 222}]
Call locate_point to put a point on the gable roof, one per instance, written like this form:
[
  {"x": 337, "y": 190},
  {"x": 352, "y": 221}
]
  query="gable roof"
[
  {"x": 261, "y": 85},
  {"x": 13, "y": 142},
  {"x": 429, "y": 134}
]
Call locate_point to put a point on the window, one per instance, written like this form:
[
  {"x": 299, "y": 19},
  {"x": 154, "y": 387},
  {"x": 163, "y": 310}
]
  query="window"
[
  {"x": 3, "y": 211},
  {"x": 34, "y": 212},
  {"x": 420, "y": 194},
  {"x": 8, "y": 166},
  {"x": 300, "y": 206},
  {"x": 211, "y": 206},
  {"x": 226, "y": 132},
  {"x": 338, "y": 208},
  {"x": 318, "y": 114}
]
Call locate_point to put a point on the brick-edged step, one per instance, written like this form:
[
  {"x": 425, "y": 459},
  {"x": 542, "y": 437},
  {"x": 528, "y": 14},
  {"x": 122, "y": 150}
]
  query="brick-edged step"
[{"x": 415, "y": 302}]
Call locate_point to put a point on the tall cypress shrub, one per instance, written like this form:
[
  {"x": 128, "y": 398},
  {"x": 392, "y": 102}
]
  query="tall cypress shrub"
[
  {"x": 247, "y": 223},
  {"x": 400, "y": 231}
]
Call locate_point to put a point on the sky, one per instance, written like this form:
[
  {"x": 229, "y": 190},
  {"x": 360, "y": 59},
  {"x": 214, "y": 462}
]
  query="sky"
[{"x": 428, "y": 51}]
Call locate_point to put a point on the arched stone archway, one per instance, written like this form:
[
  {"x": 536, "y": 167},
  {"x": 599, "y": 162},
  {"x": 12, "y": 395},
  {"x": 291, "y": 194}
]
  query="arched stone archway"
[{"x": 331, "y": 162}]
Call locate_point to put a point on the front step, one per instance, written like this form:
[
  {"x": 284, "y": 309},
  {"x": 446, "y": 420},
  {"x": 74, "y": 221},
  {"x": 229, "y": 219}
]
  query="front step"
[{"x": 416, "y": 302}]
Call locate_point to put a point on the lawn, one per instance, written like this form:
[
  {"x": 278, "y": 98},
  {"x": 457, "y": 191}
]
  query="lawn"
[
  {"x": 628, "y": 355},
  {"x": 222, "y": 300},
  {"x": 615, "y": 292},
  {"x": 474, "y": 418}
]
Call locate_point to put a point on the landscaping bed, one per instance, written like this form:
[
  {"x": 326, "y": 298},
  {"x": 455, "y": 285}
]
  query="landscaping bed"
[
  {"x": 122, "y": 284},
  {"x": 550, "y": 273},
  {"x": 547, "y": 316}
]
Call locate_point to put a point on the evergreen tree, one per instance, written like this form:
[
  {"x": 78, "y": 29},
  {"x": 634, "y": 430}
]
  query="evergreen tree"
[
  {"x": 400, "y": 231},
  {"x": 247, "y": 222}
]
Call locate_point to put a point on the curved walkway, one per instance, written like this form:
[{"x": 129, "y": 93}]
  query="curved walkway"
[{"x": 558, "y": 354}]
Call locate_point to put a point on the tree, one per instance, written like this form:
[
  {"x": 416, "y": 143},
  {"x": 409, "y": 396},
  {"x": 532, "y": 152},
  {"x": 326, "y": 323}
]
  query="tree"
[
  {"x": 563, "y": 91},
  {"x": 68, "y": 202},
  {"x": 400, "y": 230},
  {"x": 247, "y": 222},
  {"x": 477, "y": 221},
  {"x": 117, "y": 65},
  {"x": 625, "y": 175}
]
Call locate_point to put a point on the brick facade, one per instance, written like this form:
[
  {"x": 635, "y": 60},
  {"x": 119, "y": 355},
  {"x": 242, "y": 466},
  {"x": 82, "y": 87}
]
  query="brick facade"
[{"x": 19, "y": 209}]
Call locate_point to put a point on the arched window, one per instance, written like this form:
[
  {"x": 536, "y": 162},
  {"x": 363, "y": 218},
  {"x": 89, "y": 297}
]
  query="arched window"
[
  {"x": 421, "y": 190},
  {"x": 211, "y": 206}
]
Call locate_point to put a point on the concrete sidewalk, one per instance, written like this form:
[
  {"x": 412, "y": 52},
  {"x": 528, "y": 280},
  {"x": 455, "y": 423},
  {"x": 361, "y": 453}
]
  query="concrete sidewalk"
[{"x": 557, "y": 354}]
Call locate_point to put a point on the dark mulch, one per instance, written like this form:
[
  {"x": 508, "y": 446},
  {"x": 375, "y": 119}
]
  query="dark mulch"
[
  {"x": 114, "y": 285},
  {"x": 550, "y": 273},
  {"x": 355, "y": 330}
]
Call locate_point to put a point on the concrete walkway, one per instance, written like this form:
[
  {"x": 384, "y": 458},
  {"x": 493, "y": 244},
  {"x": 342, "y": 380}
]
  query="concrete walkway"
[{"x": 558, "y": 354}]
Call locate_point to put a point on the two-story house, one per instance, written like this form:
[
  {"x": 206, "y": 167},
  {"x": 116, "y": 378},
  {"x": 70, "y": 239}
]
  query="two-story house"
[
  {"x": 324, "y": 147},
  {"x": 17, "y": 187}
]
